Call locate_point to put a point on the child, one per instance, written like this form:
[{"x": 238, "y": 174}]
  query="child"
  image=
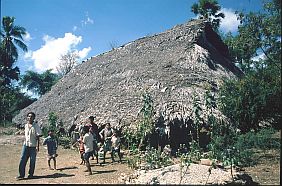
[
  {"x": 51, "y": 143},
  {"x": 88, "y": 146},
  {"x": 81, "y": 149},
  {"x": 106, "y": 135},
  {"x": 115, "y": 146}
]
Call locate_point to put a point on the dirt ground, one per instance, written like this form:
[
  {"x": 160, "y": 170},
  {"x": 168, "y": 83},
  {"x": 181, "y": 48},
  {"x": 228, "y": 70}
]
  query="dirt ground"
[
  {"x": 266, "y": 172},
  {"x": 68, "y": 165}
]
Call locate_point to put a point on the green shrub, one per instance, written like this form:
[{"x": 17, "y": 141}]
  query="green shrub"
[
  {"x": 155, "y": 159},
  {"x": 65, "y": 142},
  {"x": 148, "y": 159}
]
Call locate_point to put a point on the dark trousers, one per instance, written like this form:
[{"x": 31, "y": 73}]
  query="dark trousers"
[{"x": 27, "y": 152}]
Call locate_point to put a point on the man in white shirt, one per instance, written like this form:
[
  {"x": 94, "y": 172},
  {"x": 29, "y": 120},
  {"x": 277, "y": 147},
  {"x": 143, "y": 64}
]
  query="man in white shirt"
[
  {"x": 30, "y": 146},
  {"x": 88, "y": 142}
]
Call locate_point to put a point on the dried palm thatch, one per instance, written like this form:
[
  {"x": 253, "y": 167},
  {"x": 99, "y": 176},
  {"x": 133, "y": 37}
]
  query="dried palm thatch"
[{"x": 172, "y": 66}]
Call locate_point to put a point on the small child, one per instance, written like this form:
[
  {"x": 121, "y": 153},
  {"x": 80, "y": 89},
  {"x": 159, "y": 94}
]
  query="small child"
[
  {"x": 81, "y": 149},
  {"x": 88, "y": 146},
  {"x": 115, "y": 146},
  {"x": 51, "y": 143}
]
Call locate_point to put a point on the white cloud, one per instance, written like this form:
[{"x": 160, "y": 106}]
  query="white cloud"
[
  {"x": 87, "y": 20},
  {"x": 47, "y": 57},
  {"x": 229, "y": 22},
  {"x": 27, "y": 37},
  {"x": 84, "y": 52}
]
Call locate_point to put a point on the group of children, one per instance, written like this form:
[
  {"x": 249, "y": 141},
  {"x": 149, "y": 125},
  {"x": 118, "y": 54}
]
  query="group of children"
[{"x": 89, "y": 143}]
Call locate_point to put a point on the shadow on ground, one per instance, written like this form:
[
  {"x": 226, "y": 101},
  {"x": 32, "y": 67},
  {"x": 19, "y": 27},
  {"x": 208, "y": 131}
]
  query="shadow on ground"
[
  {"x": 55, "y": 175},
  {"x": 66, "y": 168},
  {"x": 103, "y": 172}
]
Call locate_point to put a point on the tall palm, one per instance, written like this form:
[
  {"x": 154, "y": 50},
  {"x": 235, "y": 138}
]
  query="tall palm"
[
  {"x": 11, "y": 39},
  {"x": 210, "y": 10}
]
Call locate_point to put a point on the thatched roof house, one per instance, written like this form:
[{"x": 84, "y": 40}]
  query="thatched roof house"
[{"x": 172, "y": 65}]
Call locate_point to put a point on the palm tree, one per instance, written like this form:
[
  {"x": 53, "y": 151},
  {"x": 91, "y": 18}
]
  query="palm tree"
[
  {"x": 39, "y": 83},
  {"x": 12, "y": 37},
  {"x": 208, "y": 9},
  {"x": 11, "y": 40}
]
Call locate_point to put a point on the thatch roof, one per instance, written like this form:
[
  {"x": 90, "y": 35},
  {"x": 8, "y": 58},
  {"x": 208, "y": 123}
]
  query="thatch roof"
[{"x": 172, "y": 65}]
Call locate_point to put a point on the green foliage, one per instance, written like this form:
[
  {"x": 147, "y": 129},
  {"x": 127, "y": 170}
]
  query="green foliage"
[
  {"x": 208, "y": 9},
  {"x": 52, "y": 120},
  {"x": 134, "y": 157},
  {"x": 65, "y": 142},
  {"x": 11, "y": 40},
  {"x": 11, "y": 102},
  {"x": 155, "y": 159},
  {"x": 39, "y": 83},
  {"x": 259, "y": 33},
  {"x": 197, "y": 112},
  {"x": 238, "y": 149},
  {"x": 150, "y": 159},
  {"x": 144, "y": 127},
  {"x": 252, "y": 99},
  {"x": 255, "y": 97}
]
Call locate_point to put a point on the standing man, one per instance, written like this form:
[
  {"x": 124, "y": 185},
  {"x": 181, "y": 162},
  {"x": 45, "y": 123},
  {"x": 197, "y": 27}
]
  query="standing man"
[{"x": 30, "y": 146}]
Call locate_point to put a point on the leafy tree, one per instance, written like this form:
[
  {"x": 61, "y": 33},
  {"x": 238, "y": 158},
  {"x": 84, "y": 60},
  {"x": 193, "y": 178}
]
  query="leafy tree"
[
  {"x": 255, "y": 97},
  {"x": 209, "y": 10},
  {"x": 12, "y": 100},
  {"x": 259, "y": 33},
  {"x": 39, "y": 83},
  {"x": 11, "y": 40},
  {"x": 67, "y": 63}
]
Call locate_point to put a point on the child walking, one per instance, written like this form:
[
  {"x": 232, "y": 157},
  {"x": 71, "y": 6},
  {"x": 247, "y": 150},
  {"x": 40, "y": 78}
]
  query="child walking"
[
  {"x": 88, "y": 146},
  {"x": 115, "y": 146},
  {"x": 51, "y": 143},
  {"x": 81, "y": 149}
]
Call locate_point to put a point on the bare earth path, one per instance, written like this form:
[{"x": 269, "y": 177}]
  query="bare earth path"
[
  {"x": 69, "y": 170},
  {"x": 266, "y": 172}
]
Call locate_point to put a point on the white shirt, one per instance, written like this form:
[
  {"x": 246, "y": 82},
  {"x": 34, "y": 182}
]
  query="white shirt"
[
  {"x": 88, "y": 142},
  {"x": 115, "y": 142},
  {"x": 30, "y": 134}
]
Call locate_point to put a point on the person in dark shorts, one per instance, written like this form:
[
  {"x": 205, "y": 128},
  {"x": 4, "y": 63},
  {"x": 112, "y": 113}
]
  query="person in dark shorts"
[
  {"x": 106, "y": 135},
  {"x": 51, "y": 143},
  {"x": 88, "y": 146},
  {"x": 94, "y": 132}
]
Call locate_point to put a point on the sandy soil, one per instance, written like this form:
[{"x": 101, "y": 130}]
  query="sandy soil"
[
  {"x": 69, "y": 170},
  {"x": 266, "y": 172}
]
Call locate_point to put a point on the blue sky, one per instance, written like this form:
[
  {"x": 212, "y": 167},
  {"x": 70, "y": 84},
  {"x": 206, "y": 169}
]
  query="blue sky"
[{"x": 89, "y": 26}]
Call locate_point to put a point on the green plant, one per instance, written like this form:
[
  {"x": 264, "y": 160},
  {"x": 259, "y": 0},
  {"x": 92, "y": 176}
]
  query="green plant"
[
  {"x": 148, "y": 159},
  {"x": 138, "y": 137},
  {"x": 197, "y": 112},
  {"x": 65, "y": 142},
  {"x": 155, "y": 159},
  {"x": 185, "y": 161}
]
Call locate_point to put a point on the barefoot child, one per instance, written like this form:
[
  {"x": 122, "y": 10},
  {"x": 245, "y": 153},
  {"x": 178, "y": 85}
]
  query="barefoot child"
[
  {"x": 88, "y": 146},
  {"x": 51, "y": 143},
  {"x": 81, "y": 149},
  {"x": 106, "y": 135},
  {"x": 115, "y": 146}
]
